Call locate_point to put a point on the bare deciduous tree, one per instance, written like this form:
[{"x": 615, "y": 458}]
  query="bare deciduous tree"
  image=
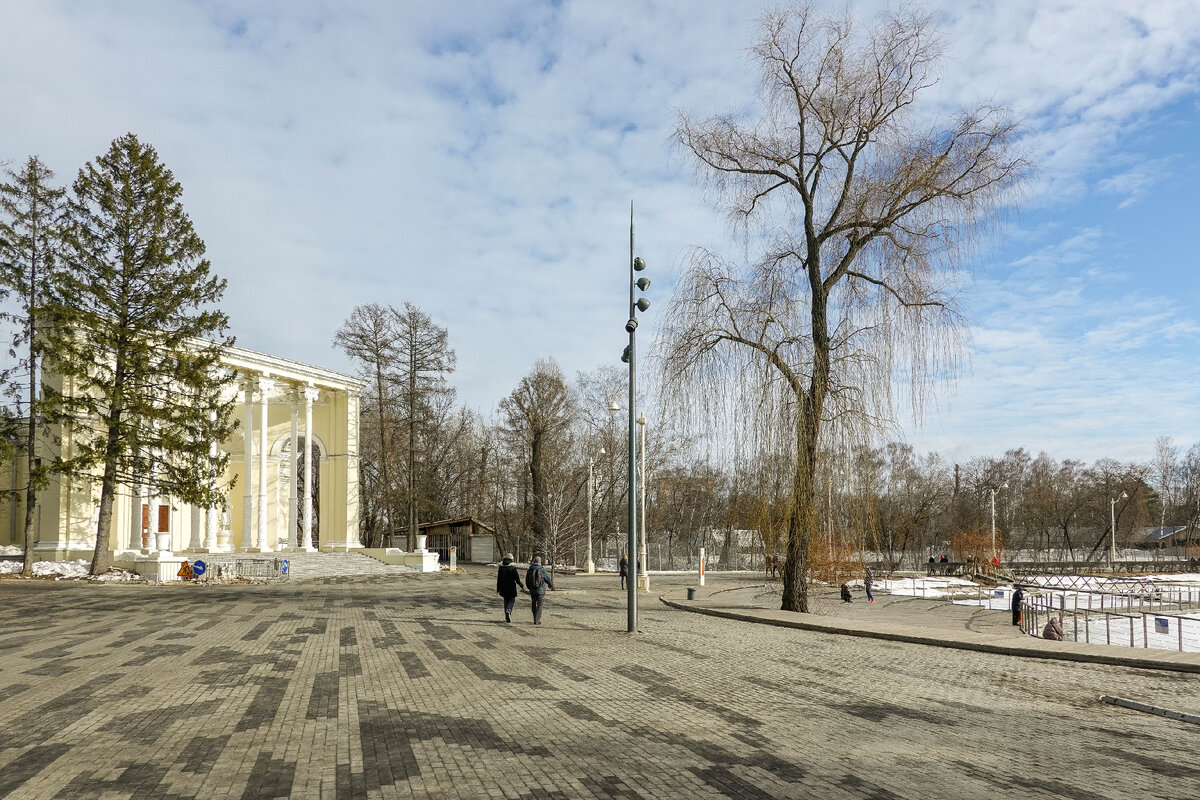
[
  {"x": 861, "y": 211},
  {"x": 537, "y": 415},
  {"x": 425, "y": 358},
  {"x": 370, "y": 337},
  {"x": 405, "y": 356}
]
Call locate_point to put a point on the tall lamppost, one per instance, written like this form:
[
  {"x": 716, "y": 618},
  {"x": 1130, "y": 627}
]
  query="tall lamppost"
[
  {"x": 591, "y": 565},
  {"x": 1112, "y": 517},
  {"x": 630, "y": 357},
  {"x": 993, "y": 490},
  {"x": 643, "y": 575}
]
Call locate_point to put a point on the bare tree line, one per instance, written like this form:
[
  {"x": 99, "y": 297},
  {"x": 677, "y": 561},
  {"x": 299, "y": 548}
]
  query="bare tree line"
[{"x": 526, "y": 471}]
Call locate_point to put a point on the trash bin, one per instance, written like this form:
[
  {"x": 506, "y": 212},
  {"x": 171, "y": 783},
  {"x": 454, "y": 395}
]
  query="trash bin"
[{"x": 691, "y": 593}]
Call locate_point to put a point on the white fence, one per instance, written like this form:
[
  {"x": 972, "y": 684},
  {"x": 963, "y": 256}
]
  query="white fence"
[
  {"x": 1163, "y": 616},
  {"x": 1123, "y": 621}
]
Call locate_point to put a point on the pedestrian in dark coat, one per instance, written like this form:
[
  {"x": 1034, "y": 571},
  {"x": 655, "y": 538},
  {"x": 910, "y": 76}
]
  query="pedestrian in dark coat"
[
  {"x": 508, "y": 583},
  {"x": 623, "y": 568},
  {"x": 537, "y": 588},
  {"x": 1018, "y": 597},
  {"x": 845, "y": 593},
  {"x": 868, "y": 582}
]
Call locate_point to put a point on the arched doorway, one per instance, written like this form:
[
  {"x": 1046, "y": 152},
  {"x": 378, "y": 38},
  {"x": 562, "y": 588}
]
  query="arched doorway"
[{"x": 283, "y": 452}]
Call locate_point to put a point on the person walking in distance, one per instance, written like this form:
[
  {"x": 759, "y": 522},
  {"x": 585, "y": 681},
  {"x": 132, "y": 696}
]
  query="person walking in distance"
[
  {"x": 508, "y": 582},
  {"x": 537, "y": 580},
  {"x": 623, "y": 568},
  {"x": 1018, "y": 597},
  {"x": 868, "y": 582}
]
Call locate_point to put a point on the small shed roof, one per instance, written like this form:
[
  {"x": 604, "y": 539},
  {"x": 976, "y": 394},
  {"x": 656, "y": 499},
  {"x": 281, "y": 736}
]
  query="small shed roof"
[{"x": 454, "y": 522}]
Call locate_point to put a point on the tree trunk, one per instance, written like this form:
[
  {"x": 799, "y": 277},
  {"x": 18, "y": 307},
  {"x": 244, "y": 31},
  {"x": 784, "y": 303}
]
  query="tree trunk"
[
  {"x": 536, "y": 480},
  {"x": 803, "y": 526},
  {"x": 30, "y": 488},
  {"x": 108, "y": 487},
  {"x": 31, "y": 440},
  {"x": 802, "y": 518}
]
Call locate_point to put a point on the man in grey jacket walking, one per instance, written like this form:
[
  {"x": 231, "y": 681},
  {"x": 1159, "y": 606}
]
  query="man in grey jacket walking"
[{"x": 537, "y": 580}]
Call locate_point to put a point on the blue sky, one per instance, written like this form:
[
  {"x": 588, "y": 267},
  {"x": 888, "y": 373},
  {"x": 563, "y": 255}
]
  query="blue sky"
[{"x": 478, "y": 159}]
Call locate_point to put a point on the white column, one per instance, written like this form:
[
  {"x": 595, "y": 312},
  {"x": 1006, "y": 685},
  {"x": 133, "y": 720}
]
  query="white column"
[
  {"x": 152, "y": 503},
  {"x": 310, "y": 393},
  {"x": 265, "y": 385},
  {"x": 248, "y": 475},
  {"x": 210, "y": 514},
  {"x": 224, "y": 516},
  {"x": 195, "y": 540},
  {"x": 210, "y": 529},
  {"x": 293, "y": 500},
  {"x": 135, "y": 517}
]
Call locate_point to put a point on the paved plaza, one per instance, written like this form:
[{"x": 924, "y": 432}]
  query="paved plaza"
[{"x": 412, "y": 686}]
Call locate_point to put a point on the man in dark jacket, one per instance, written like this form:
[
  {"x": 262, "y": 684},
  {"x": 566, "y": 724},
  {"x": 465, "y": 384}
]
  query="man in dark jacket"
[
  {"x": 508, "y": 581},
  {"x": 1018, "y": 596},
  {"x": 537, "y": 580},
  {"x": 623, "y": 569}
]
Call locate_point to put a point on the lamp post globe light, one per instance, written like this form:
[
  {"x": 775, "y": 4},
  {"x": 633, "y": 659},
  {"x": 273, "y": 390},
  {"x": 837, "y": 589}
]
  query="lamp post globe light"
[
  {"x": 630, "y": 357},
  {"x": 1112, "y": 518},
  {"x": 993, "y": 490}
]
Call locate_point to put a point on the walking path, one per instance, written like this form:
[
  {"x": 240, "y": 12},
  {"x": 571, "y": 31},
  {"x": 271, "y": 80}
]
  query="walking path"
[
  {"x": 413, "y": 687},
  {"x": 919, "y": 621}
]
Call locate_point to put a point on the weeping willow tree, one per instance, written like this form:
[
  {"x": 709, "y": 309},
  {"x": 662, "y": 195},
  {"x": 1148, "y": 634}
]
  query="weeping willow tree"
[{"x": 856, "y": 213}]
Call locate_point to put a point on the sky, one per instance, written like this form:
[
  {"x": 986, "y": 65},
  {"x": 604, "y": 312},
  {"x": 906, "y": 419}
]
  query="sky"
[{"x": 479, "y": 159}]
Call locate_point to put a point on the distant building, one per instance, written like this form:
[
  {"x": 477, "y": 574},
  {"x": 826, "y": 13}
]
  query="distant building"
[
  {"x": 476, "y": 542},
  {"x": 1178, "y": 537}
]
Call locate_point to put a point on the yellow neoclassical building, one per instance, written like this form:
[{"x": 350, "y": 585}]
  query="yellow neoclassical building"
[{"x": 295, "y": 459}]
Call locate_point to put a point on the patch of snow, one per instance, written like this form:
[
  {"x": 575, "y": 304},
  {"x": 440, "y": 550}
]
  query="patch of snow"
[
  {"x": 12, "y": 550},
  {"x": 70, "y": 570}
]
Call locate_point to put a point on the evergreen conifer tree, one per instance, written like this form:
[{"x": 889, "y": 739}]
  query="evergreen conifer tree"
[
  {"x": 30, "y": 226},
  {"x": 136, "y": 338}
]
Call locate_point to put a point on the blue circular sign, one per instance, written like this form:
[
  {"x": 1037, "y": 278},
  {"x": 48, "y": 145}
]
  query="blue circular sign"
[
  {"x": 199, "y": 567},
  {"x": 285, "y": 566}
]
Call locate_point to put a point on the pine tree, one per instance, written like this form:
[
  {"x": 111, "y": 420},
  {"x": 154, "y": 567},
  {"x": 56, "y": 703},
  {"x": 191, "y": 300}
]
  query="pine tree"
[
  {"x": 30, "y": 226},
  {"x": 137, "y": 339}
]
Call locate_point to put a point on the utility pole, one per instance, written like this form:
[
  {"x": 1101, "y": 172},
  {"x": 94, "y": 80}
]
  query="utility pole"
[{"x": 630, "y": 357}]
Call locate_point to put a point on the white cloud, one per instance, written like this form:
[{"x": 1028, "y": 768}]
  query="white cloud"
[{"x": 478, "y": 158}]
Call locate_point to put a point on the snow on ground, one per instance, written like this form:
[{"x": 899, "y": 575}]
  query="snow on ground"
[
  {"x": 71, "y": 570},
  {"x": 12, "y": 550}
]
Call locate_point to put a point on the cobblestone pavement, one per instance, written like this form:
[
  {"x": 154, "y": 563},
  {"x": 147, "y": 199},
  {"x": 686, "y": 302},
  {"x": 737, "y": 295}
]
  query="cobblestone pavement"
[{"x": 414, "y": 687}]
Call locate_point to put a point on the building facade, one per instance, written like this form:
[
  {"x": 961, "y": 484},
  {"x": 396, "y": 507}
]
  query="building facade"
[{"x": 293, "y": 466}]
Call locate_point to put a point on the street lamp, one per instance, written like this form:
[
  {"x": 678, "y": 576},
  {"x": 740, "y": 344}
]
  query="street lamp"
[
  {"x": 993, "y": 490},
  {"x": 643, "y": 577},
  {"x": 630, "y": 357},
  {"x": 1112, "y": 517},
  {"x": 590, "y": 566}
]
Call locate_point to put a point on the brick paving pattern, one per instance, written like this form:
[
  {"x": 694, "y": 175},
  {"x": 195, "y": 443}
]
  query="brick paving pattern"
[{"x": 412, "y": 686}]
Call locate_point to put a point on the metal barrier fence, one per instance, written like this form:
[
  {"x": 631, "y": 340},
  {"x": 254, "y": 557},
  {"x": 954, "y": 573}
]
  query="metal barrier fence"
[
  {"x": 249, "y": 568},
  {"x": 1125, "y": 620},
  {"x": 1163, "y": 618}
]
